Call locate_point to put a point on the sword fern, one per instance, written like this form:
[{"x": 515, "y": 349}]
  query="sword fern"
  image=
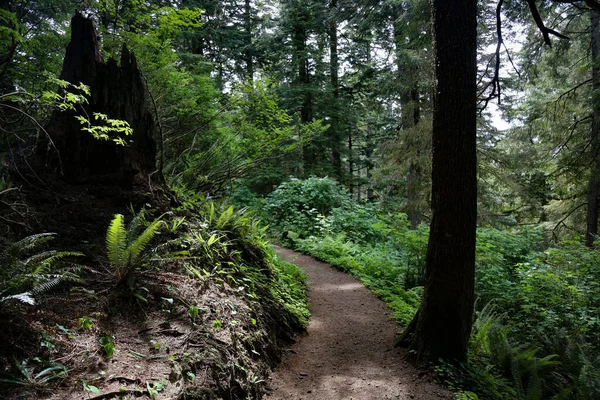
[
  {"x": 24, "y": 276},
  {"x": 126, "y": 250}
]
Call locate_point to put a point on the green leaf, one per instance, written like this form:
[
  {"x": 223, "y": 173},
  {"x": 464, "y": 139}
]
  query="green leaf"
[{"x": 116, "y": 243}]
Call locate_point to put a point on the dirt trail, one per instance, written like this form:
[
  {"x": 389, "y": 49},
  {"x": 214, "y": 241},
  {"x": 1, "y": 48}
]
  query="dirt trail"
[{"x": 349, "y": 351}]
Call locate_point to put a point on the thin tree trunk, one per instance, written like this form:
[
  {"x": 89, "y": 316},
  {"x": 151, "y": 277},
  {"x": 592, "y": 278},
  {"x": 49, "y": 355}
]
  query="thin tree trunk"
[
  {"x": 300, "y": 36},
  {"x": 359, "y": 185},
  {"x": 334, "y": 129},
  {"x": 445, "y": 316},
  {"x": 369, "y": 167},
  {"x": 350, "y": 166},
  {"x": 248, "y": 48},
  {"x": 592, "y": 208},
  {"x": 412, "y": 197},
  {"x": 410, "y": 116}
]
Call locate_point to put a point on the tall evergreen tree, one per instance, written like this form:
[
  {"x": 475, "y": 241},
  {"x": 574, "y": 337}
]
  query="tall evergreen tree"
[
  {"x": 443, "y": 324},
  {"x": 592, "y": 203}
]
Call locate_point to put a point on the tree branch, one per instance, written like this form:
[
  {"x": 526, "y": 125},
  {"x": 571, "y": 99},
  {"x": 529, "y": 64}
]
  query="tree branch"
[
  {"x": 495, "y": 82},
  {"x": 546, "y": 32},
  {"x": 561, "y": 222}
]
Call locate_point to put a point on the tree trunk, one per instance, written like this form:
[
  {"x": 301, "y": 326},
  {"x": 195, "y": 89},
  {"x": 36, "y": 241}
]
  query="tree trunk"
[
  {"x": 248, "y": 50},
  {"x": 334, "y": 129},
  {"x": 592, "y": 207},
  {"x": 445, "y": 317},
  {"x": 299, "y": 39},
  {"x": 350, "y": 166},
  {"x": 118, "y": 92},
  {"x": 410, "y": 116}
]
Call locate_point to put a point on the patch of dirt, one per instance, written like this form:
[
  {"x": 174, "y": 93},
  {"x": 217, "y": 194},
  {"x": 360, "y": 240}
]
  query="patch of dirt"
[
  {"x": 225, "y": 352},
  {"x": 349, "y": 351},
  {"x": 157, "y": 346}
]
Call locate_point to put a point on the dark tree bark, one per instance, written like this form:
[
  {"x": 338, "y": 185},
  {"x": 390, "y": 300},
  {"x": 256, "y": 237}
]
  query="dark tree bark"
[
  {"x": 302, "y": 83},
  {"x": 334, "y": 129},
  {"x": 443, "y": 323},
  {"x": 410, "y": 116},
  {"x": 248, "y": 50},
  {"x": 117, "y": 91},
  {"x": 592, "y": 206},
  {"x": 350, "y": 165}
]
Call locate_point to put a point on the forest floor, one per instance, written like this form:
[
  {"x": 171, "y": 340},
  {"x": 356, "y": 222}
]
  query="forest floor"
[
  {"x": 97, "y": 339},
  {"x": 349, "y": 350}
]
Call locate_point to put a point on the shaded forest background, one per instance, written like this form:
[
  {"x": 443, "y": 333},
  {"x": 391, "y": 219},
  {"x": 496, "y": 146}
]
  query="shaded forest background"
[{"x": 318, "y": 117}]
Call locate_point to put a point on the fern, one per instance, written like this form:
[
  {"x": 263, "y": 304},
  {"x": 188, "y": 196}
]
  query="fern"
[
  {"x": 139, "y": 244},
  {"x": 116, "y": 242},
  {"x": 125, "y": 249},
  {"x": 25, "y": 276},
  {"x": 531, "y": 376}
]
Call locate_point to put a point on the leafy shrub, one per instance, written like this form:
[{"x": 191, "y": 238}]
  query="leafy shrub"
[
  {"x": 295, "y": 204},
  {"x": 413, "y": 245},
  {"x": 360, "y": 223},
  {"x": 547, "y": 342},
  {"x": 242, "y": 197},
  {"x": 499, "y": 253},
  {"x": 559, "y": 289}
]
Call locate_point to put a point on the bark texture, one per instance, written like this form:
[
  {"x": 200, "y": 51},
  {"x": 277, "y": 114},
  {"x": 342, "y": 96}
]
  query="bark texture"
[
  {"x": 334, "y": 129},
  {"x": 444, "y": 321},
  {"x": 408, "y": 79},
  {"x": 592, "y": 208},
  {"x": 117, "y": 91}
]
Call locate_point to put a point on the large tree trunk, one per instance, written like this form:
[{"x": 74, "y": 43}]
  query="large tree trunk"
[
  {"x": 444, "y": 320},
  {"x": 592, "y": 206},
  {"x": 117, "y": 91}
]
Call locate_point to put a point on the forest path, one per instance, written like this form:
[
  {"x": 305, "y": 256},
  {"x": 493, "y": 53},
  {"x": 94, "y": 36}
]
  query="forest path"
[{"x": 349, "y": 350}]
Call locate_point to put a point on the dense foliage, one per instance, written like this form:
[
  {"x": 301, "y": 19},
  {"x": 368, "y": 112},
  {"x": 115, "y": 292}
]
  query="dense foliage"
[
  {"x": 203, "y": 268},
  {"x": 538, "y": 304},
  {"x": 317, "y": 116}
]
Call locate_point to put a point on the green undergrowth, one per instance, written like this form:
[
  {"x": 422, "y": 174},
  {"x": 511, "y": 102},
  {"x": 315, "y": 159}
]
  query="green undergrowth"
[
  {"x": 538, "y": 305},
  {"x": 214, "y": 303},
  {"x": 376, "y": 269},
  {"x": 231, "y": 239},
  {"x": 535, "y": 331},
  {"x": 290, "y": 290}
]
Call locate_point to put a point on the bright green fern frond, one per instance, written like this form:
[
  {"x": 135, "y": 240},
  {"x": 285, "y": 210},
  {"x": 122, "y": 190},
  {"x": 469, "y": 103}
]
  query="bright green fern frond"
[
  {"x": 136, "y": 248},
  {"x": 124, "y": 248},
  {"x": 116, "y": 242},
  {"x": 210, "y": 213},
  {"x": 136, "y": 225}
]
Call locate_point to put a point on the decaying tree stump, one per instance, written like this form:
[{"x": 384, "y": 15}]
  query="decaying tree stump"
[{"x": 117, "y": 91}]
